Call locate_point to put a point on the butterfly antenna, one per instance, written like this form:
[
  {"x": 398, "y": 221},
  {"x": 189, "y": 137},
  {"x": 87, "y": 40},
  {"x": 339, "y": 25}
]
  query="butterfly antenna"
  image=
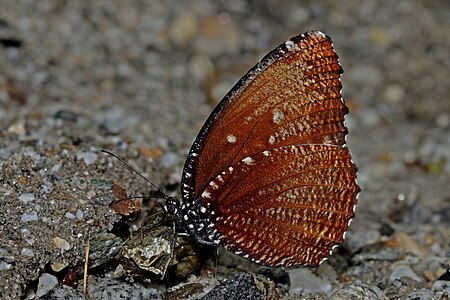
[{"x": 135, "y": 171}]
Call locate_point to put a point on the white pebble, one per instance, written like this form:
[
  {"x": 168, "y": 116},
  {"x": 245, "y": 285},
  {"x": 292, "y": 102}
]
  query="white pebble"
[
  {"x": 88, "y": 157},
  {"x": 26, "y": 197},
  {"x": 29, "y": 217},
  {"x": 27, "y": 252},
  {"x": 46, "y": 283}
]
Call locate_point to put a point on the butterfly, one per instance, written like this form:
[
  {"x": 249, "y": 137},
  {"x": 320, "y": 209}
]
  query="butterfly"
[{"x": 269, "y": 177}]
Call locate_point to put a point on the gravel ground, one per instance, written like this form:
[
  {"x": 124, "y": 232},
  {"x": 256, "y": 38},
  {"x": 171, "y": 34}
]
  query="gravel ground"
[{"x": 140, "y": 77}]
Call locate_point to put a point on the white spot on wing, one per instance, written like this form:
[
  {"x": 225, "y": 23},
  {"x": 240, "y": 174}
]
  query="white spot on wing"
[
  {"x": 278, "y": 116},
  {"x": 231, "y": 138},
  {"x": 271, "y": 139},
  {"x": 247, "y": 160},
  {"x": 290, "y": 45},
  {"x": 213, "y": 185},
  {"x": 206, "y": 194}
]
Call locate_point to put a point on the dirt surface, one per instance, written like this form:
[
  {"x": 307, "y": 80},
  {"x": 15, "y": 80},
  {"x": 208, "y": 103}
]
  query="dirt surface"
[{"x": 139, "y": 78}]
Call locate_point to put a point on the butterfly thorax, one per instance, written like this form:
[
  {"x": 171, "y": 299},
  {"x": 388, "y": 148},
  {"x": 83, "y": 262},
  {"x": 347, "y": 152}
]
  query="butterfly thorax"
[{"x": 191, "y": 220}]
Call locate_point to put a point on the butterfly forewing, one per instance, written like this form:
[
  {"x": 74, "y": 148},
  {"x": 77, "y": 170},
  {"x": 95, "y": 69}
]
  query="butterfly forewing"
[
  {"x": 292, "y": 96},
  {"x": 286, "y": 206}
]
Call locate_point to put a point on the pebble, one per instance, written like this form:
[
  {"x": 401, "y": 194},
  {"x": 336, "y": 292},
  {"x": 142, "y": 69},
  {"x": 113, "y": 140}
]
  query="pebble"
[
  {"x": 5, "y": 266},
  {"x": 61, "y": 243},
  {"x": 358, "y": 290},
  {"x": 70, "y": 215},
  {"x": 27, "y": 252},
  {"x": 57, "y": 266},
  {"x": 422, "y": 294},
  {"x": 111, "y": 288},
  {"x": 88, "y": 157},
  {"x": 441, "y": 286},
  {"x": 79, "y": 214},
  {"x": 29, "y": 217},
  {"x": 5, "y": 191},
  {"x": 65, "y": 292},
  {"x": 304, "y": 280},
  {"x": 18, "y": 129},
  {"x": 393, "y": 93},
  {"x": 26, "y": 197},
  {"x": 403, "y": 271},
  {"x": 183, "y": 29},
  {"x": 66, "y": 115},
  {"x": 404, "y": 243},
  {"x": 242, "y": 286},
  {"x": 46, "y": 283},
  {"x": 55, "y": 168}
]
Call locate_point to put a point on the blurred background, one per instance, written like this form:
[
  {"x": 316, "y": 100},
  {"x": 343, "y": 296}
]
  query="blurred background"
[{"x": 140, "y": 78}]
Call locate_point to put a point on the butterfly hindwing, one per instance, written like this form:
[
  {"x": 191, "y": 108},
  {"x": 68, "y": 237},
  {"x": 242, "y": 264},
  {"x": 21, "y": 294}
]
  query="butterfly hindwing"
[{"x": 283, "y": 207}]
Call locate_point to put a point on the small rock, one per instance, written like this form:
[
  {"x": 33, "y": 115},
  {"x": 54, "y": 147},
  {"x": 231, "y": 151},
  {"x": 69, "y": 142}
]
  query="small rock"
[
  {"x": 304, "y": 280},
  {"x": 441, "y": 286},
  {"x": 46, "y": 283},
  {"x": 88, "y": 157},
  {"x": 70, "y": 215},
  {"x": 5, "y": 191},
  {"x": 358, "y": 290},
  {"x": 403, "y": 243},
  {"x": 26, "y": 197},
  {"x": 111, "y": 288},
  {"x": 29, "y": 217},
  {"x": 393, "y": 93},
  {"x": 422, "y": 294},
  {"x": 27, "y": 252},
  {"x": 243, "y": 286},
  {"x": 5, "y": 266},
  {"x": 183, "y": 29},
  {"x": 66, "y": 115},
  {"x": 79, "y": 215},
  {"x": 18, "y": 129},
  {"x": 55, "y": 168},
  {"x": 57, "y": 266},
  {"x": 61, "y": 243},
  {"x": 64, "y": 292},
  {"x": 403, "y": 271},
  {"x": 327, "y": 271}
]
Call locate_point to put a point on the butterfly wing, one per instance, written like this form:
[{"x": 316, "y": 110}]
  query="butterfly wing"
[
  {"x": 270, "y": 167},
  {"x": 292, "y": 96},
  {"x": 284, "y": 207}
]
